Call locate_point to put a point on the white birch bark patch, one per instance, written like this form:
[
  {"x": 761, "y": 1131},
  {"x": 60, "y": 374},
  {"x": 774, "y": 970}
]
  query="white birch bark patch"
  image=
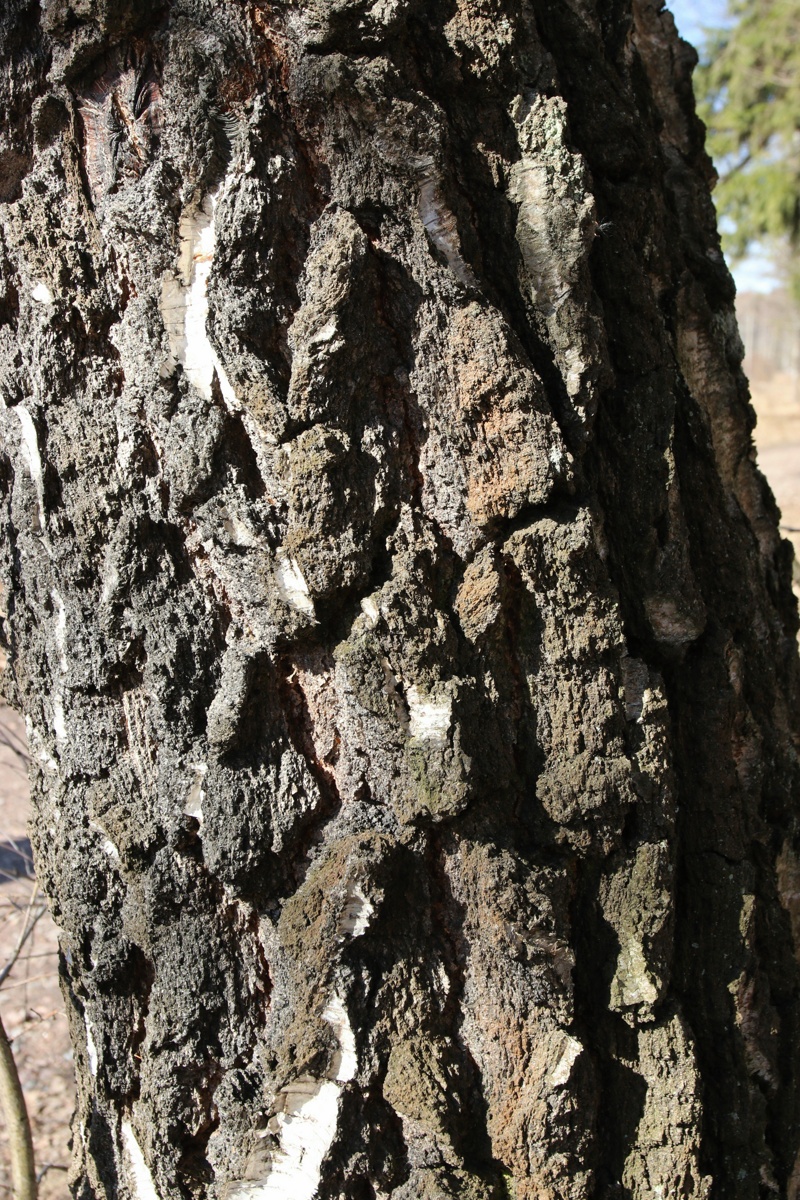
[
  {"x": 141, "y": 1181},
  {"x": 429, "y": 717},
  {"x": 292, "y": 586},
  {"x": 184, "y": 303}
]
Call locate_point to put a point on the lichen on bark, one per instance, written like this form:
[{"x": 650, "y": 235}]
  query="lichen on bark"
[{"x": 401, "y": 622}]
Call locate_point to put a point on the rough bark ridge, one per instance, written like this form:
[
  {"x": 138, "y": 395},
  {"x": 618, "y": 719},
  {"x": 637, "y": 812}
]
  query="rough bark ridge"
[{"x": 401, "y": 621}]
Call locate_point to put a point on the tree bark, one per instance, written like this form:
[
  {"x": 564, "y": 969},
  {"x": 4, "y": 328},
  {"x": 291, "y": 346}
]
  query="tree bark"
[{"x": 402, "y": 625}]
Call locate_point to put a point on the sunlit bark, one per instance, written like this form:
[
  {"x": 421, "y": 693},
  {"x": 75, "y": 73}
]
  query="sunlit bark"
[{"x": 402, "y": 625}]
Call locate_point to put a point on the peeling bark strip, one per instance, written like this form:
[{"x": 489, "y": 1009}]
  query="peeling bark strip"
[{"x": 401, "y": 622}]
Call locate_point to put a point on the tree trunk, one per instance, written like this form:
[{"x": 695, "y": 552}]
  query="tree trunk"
[{"x": 402, "y": 625}]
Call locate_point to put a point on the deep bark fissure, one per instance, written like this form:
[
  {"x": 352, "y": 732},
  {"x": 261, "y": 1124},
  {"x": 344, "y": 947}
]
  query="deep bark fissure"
[{"x": 403, "y": 627}]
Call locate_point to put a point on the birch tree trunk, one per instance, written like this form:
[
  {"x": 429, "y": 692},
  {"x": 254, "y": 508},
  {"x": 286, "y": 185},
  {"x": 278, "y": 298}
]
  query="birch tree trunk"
[{"x": 402, "y": 624}]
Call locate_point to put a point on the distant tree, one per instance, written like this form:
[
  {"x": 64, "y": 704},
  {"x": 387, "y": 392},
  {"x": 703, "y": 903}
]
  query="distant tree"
[{"x": 749, "y": 91}]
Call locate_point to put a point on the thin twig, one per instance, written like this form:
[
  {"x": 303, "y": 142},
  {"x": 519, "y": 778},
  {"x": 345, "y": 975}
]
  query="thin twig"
[
  {"x": 24, "y": 982},
  {"x": 50, "y": 1167},
  {"x": 15, "y": 842},
  {"x": 42, "y": 1017},
  {"x": 12, "y": 877},
  {"x": 13, "y": 742},
  {"x": 8, "y": 727},
  {"x": 31, "y": 920}
]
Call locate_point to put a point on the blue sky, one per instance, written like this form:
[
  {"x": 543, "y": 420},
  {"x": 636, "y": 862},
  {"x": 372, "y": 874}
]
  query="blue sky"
[
  {"x": 754, "y": 273},
  {"x": 691, "y": 15}
]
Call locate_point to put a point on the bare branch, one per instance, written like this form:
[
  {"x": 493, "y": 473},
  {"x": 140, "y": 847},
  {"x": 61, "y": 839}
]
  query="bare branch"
[
  {"x": 30, "y": 979},
  {"x": 12, "y": 1102},
  {"x": 31, "y": 920}
]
